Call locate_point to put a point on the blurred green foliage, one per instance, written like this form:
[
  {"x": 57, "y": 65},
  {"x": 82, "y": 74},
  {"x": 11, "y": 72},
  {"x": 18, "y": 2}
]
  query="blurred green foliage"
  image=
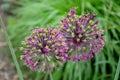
[{"x": 42, "y": 13}]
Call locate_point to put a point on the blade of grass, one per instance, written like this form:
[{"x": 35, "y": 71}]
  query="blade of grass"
[
  {"x": 96, "y": 68},
  {"x": 12, "y": 51},
  {"x": 117, "y": 71},
  {"x": 83, "y": 6}
]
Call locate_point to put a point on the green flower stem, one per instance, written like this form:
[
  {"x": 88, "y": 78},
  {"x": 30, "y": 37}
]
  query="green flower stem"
[
  {"x": 79, "y": 64},
  {"x": 12, "y": 51},
  {"x": 38, "y": 74},
  {"x": 80, "y": 78},
  {"x": 50, "y": 73}
]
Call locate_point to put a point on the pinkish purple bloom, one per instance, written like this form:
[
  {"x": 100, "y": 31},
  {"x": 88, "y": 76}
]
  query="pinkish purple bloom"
[
  {"x": 44, "y": 47},
  {"x": 82, "y": 35}
]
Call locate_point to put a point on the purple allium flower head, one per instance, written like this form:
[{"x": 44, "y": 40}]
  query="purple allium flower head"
[
  {"x": 44, "y": 46},
  {"x": 82, "y": 35}
]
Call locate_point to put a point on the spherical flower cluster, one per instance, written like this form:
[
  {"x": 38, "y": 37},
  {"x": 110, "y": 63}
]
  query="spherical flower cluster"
[
  {"x": 44, "y": 47},
  {"x": 83, "y": 35}
]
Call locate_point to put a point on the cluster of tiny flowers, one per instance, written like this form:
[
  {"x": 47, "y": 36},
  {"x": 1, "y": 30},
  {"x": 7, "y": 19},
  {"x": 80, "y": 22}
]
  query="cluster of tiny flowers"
[
  {"x": 83, "y": 36},
  {"x": 78, "y": 38},
  {"x": 45, "y": 48}
]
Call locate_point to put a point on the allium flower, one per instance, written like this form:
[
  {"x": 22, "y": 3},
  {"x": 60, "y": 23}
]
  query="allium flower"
[
  {"x": 44, "y": 47},
  {"x": 82, "y": 35}
]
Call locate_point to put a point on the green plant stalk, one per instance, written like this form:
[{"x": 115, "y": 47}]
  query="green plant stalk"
[
  {"x": 79, "y": 64},
  {"x": 46, "y": 76},
  {"x": 38, "y": 74},
  {"x": 12, "y": 51},
  {"x": 71, "y": 71},
  {"x": 80, "y": 78},
  {"x": 50, "y": 73},
  {"x": 117, "y": 71}
]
